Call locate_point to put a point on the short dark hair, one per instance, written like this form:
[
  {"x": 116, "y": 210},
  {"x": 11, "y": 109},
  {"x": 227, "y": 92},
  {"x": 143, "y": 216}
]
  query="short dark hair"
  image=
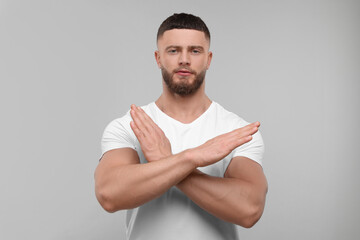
[{"x": 183, "y": 21}]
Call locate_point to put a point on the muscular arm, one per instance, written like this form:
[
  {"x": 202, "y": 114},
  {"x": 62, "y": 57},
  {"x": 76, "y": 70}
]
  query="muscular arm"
[
  {"x": 239, "y": 197},
  {"x": 122, "y": 183}
]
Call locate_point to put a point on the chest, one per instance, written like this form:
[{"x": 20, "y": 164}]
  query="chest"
[{"x": 190, "y": 136}]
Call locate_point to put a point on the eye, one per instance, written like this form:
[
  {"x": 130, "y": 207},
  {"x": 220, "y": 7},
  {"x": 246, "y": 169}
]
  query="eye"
[
  {"x": 196, "y": 51},
  {"x": 172, "y": 51}
]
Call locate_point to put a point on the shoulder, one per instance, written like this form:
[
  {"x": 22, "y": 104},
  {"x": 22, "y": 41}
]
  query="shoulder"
[
  {"x": 231, "y": 119},
  {"x": 124, "y": 121},
  {"x": 118, "y": 133},
  {"x": 255, "y": 148},
  {"x": 121, "y": 121}
]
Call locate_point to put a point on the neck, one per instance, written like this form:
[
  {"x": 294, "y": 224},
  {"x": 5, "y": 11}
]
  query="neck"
[{"x": 183, "y": 108}]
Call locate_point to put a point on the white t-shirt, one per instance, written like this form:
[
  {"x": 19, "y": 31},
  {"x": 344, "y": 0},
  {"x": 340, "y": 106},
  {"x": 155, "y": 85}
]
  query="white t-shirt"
[{"x": 173, "y": 215}]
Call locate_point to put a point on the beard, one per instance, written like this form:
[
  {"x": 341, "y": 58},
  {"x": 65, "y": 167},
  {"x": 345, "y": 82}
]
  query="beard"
[{"x": 183, "y": 88}]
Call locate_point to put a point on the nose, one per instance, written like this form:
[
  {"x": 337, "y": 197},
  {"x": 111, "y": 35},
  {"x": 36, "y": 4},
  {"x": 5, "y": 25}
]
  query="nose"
[{"x": 184, "y": 59}]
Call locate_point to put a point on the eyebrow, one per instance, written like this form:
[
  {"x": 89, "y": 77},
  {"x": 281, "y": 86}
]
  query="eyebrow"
[{"x": 189, "y": 47}]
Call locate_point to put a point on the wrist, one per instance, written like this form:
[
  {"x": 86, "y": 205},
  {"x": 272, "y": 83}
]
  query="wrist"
[{"x": 189, "y": 156}]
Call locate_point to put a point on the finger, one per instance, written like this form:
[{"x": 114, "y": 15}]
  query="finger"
[
  {"x": 152, "y": 124},
  {"x": 242, "y": 132},
  {"x": 248, "y": 132},
  {"x": 135, "y": 117},
  {"x": 148, "y": 122},
  {"x": 133, "y": 107},
  {"x": 257, "y": 124},
  {"x": 139, "y": 120},
  {"x": 243, "y": 140},
  {"x": 242, "y": 135},
  {"x": 240, "y": 140},
  {"x": 148, "y": 118},
  {"x": 144, "y": 115},
  {"x": 139, "y": 135},
  {"x": 249, "y": 129},
  {"x": 254, "y": 124}
]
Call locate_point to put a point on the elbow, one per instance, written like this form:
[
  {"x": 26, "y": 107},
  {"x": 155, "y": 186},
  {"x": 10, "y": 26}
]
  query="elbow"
[
  {"x": 105, "y": 201},
  {"x": 250, "y": 221},
  {"x": 254, "y": 211},
  {"x": 252, "y": 216},
  {"x": 108, "y": 207},
  {"x": 112, "y": 201}
]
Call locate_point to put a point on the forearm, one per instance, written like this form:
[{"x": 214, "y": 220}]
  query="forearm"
[
  {"x": 230, "y": 199},
  {"x": 129, "y": 186}
]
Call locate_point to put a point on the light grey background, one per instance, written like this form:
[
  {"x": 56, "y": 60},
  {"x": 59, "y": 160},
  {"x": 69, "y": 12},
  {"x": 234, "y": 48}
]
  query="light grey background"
[{"x": 68, "y": 68}]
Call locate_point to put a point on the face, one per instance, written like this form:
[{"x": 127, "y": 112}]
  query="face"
[{"x": 183, "y": 57}]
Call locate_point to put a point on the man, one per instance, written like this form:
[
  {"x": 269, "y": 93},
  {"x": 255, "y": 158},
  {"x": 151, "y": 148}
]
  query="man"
[{"x": 183, "y": 166}]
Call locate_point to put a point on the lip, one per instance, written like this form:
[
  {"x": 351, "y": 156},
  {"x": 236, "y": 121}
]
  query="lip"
[{"x": 183, "y": 72}]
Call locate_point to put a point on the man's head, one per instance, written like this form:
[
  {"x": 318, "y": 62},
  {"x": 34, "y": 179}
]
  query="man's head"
[
  {"x": 183, "y": 53},
  {"x": 183, "y": 21}
]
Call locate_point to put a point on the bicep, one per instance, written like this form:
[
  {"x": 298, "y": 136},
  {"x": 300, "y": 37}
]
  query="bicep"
[
  {"x": 247, "y": 170},
  {"x": 116, "y": 158}
]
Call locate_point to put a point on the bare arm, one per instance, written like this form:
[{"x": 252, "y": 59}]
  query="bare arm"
[
  {"x": 121, "y": 182},
  {"x": 238, "y": 198}
]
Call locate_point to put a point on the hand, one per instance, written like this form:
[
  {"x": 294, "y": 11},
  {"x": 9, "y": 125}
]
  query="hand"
[
  {"x": 219, "y": 147},
  {"x": 154, "y": 144}
]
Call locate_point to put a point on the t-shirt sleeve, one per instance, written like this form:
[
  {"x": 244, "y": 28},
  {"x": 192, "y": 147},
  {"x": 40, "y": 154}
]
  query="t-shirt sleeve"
[
  {"x": 118, "y": 134},
  {"x": 253, "y": 149}
]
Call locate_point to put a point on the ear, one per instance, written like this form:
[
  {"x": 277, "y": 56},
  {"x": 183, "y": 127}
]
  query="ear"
[
  {"x": 157, "y": 58},
  {"x": 209, "y": 60}
]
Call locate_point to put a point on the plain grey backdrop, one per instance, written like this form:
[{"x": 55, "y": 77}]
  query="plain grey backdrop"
[{"x": 68, "y": 68}]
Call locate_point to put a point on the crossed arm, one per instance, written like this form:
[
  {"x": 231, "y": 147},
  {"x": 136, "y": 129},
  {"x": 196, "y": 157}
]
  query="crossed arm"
[{"x": 123, "y": 183}]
